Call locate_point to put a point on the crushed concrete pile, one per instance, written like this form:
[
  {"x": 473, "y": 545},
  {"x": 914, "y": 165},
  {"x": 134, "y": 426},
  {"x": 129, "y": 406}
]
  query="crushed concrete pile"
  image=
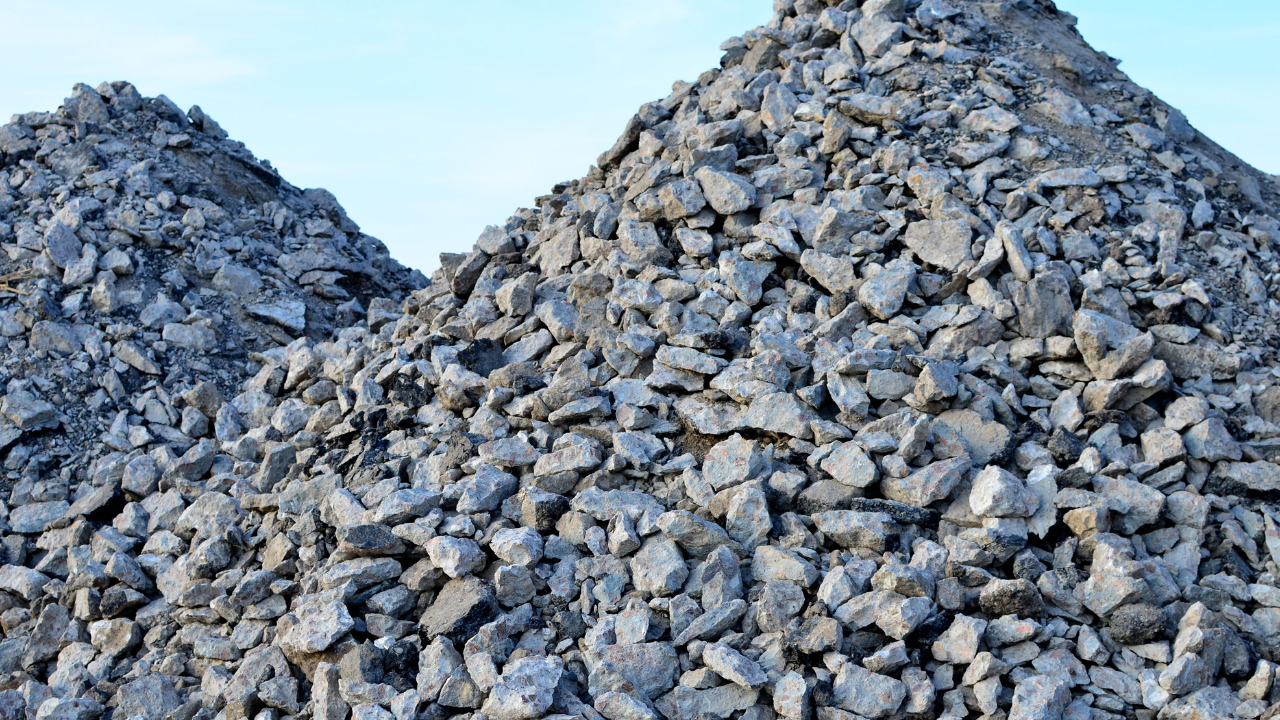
[{"x": 913, "y": 364}]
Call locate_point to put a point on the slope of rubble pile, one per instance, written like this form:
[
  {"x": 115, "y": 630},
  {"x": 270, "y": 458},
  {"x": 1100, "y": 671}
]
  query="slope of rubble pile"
[
  {"x": 144, "y": 252},
  {"x": 913, "y": 364}
]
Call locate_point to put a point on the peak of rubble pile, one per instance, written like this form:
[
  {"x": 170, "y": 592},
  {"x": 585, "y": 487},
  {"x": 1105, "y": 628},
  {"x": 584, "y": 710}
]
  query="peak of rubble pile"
[
  {"x": 915, "y": 363},
  {"x": 144, "y": 253}
]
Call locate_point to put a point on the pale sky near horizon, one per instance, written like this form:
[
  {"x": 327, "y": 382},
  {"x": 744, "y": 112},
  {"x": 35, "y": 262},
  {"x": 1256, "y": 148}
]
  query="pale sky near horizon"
[{"x": 429, "y": 120}]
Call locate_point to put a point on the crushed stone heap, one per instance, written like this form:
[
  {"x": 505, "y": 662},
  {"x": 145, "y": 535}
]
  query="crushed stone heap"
[{"x": 913, "y": 364}]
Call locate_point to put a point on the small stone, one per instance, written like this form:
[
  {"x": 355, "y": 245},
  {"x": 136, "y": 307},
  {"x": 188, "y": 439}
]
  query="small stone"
[
  {"x": 149, "y": 696},
  {"x": 27, "y": 412},
  {"x": 621, "y": 706},
  {"x": 849, "y": 464},
  {"x": 781, "y": 413},
  {"x": 23, "y": 582},
  {"x": 319, "y": 626},
  {"x": 866, "y": 693},
  {"x": 68, "y": 709},
  {"x": 850, "y": 528},
  {"x": 731, "y": 462},
  {"x": 883, "y": 293},
  {"x": 289, "y": 314},
  {"x": 929, "y": 484},
  {"x": 944, "y": 243},
  {"x": 460, "y": 607},
  {"x": 1039, "y": 697},
  {"x": 34, "y": 518},
  {"x": 998, "y": 493},
  {"x": 959, "y": 643},
  {"x": 725, "y": 192},
  {"x": 1136, "y": 624},
  {"x": 658, "y": 567},
  {"x": 1210, "y": 441},
  {"x": 114, "y": 637},
  {"x": 732, "y": 666},
  {"x": 790, "y": 696},
  {"x": 525, "y": 689},
  {"x": 521, "y": 546},
  {"x": 1011, "y": 597},
  {"x": 455, "y": 557},
  {"x": 1109, "y": 347}
]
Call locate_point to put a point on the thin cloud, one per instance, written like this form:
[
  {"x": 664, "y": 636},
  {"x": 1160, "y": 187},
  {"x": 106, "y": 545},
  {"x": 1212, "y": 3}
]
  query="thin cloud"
[
  {"x": 116, "y": 47},
  {"x": 631, "y": 16}
]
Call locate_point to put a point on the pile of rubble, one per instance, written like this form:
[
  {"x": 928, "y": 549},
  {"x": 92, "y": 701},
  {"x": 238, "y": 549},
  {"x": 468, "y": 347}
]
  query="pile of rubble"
[{"x": 914, "y": 363}]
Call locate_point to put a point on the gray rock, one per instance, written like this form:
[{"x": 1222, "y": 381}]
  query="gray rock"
[
  {"x": 959, "y": 643},
  {"x": 114, "y": 637},
  {"x": 34, "y": 518},
  {"x": 1258, "y": 476},
  {"x": 1011, "y": 597},
  {"x": 791, "y": 696},
  {"x": 68, "y": 709},
  {"x": 836, "y": 274},
  {"x": 44, "y": 640},
  {"x": 713, "y": 622},
  {"x": 731, "y": 462},
  {"x": 237, "y": 280},
  {"x": 718, "y": 702},
  {"x": 1044, "y": 306},
  {"x": 1067, "y": 177},
  {"x": 1210, "y": 441},
  {"x": 21, "y": 581},
  {"x": 525, "y": 689},
  {"x": 658, "y": 567},
  {"x": 725, "y": 192},
  {"x": 696, "y": 536},
  {"x": 929, "y": 484},
  {"x": 998, "y": 493},
  {"x": 209, "y": 511},
  {"x": 849, "y": 464},
  {"x": 883, "y": 293},
  {"x": 781, "y": 413},
  {"x": 1210, "y": 702},
  {"x": 709, "y": 417},
  {"x": 521, "y": 546},
  {"x": 771, "y": 563},
  {"x": 486, "y": 490},
  {"x": 28, "y": 412},
  {"x": 944, "y": 243},
  {"x": 650, "y": 668},
  {"x": 850, "y": 528},
  {"x": 288, "y": 314},
  {"x": 1109, "y": 347},
  {"x": 866, "y": 693},
  {"x": 150, "y": 696},
  {"x": 62, "y": 244},
  {"x": 319, "y": 625},
  {"x": 732, "y": 666},
  {"x": 621, "y": 706},
  {"x": 455, "y": 556},
  {"x": 872, "y": 108},
  {"x": 1040, "y": 697},
  {"x": 461, "y": 606}
]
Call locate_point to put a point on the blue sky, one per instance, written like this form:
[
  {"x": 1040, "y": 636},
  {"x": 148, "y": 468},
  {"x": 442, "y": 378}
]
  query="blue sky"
[{"x": 431, "y": 119}]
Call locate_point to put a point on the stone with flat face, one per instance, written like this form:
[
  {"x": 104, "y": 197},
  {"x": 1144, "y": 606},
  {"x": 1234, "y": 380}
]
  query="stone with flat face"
[
  {"x": 866, "y": 693},
  {"x": 934, "y": 482},
  {"x": 945, "y": 243}
]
